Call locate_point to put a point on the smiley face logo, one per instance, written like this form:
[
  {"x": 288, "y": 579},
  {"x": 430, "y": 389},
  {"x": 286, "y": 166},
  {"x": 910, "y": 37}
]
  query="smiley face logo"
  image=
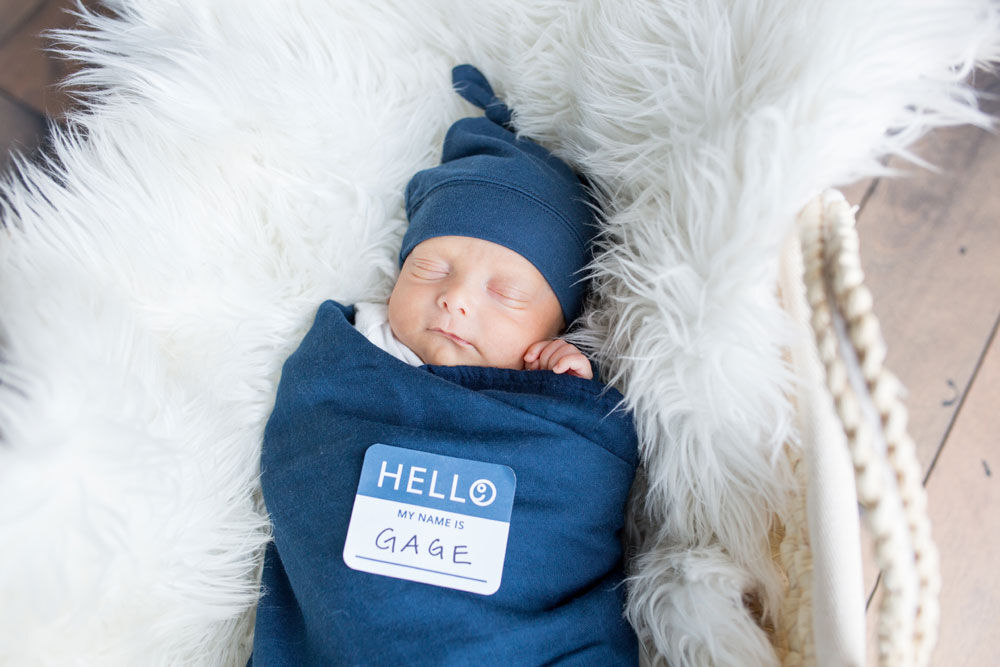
[{"x": 482, "y": 492}]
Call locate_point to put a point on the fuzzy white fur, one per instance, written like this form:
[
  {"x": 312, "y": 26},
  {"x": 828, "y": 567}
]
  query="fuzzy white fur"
[{"x": 237, "y": 163}]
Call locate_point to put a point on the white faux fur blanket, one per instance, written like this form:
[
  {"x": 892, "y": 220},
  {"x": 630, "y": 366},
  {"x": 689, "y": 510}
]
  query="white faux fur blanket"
[{"x": 238, "y": 162}]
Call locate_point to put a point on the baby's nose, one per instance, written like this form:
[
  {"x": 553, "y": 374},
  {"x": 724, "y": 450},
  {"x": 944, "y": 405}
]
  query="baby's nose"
[{"x": 454, "y": 302}]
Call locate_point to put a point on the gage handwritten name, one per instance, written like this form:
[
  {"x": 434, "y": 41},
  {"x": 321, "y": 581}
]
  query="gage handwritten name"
[{"x": 387, "y": 540}]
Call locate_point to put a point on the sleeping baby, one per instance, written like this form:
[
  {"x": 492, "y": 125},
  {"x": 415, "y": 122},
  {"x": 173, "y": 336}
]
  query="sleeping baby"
[{"x": 446, "y": 480}]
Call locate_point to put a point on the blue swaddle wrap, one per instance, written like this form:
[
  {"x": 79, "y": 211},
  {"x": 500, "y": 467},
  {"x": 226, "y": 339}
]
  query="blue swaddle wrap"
[{"x": 574, "y": 457}]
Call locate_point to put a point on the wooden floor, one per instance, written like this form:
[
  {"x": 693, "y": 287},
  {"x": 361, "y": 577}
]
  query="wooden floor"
[{"x": 931, "y": 250}]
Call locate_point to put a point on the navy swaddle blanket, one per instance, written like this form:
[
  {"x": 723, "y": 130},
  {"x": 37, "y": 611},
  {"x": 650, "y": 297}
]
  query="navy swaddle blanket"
[{"x": 572, "y": 452}]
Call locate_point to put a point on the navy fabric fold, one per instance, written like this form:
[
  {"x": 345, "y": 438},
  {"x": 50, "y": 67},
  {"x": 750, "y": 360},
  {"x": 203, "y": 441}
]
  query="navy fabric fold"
[{"x": 572, "y": 448}]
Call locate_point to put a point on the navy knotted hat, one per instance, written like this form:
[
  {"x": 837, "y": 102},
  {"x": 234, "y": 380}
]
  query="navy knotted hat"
[{"x": 497, "y": 187}]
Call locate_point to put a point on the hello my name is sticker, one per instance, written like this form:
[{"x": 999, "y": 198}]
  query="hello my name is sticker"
[{"x": 434, "y": 519}]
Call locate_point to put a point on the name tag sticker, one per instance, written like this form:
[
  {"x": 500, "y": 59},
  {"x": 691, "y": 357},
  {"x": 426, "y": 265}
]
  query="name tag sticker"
[{"x": 435, "y": 519}]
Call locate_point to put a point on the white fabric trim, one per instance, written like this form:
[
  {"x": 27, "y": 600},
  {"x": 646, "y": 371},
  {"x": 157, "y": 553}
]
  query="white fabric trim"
[{"x": 372, "y": 320}]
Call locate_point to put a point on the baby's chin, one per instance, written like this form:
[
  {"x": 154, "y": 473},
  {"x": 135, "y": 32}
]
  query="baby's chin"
[
  {"x": 447, "y": 355},
  {"x": 450, "y": 356}
]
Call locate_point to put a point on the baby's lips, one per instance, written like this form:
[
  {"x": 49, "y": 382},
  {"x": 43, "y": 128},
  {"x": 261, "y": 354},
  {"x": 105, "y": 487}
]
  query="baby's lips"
[{"x": 453, "y": 337}]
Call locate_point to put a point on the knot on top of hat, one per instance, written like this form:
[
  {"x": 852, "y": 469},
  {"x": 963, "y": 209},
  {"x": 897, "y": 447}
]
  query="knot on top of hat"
[{"x": 470, "y": 83}]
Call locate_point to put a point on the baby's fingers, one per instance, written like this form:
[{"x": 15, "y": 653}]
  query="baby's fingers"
[
  {"x": 542, "y": 352},
  {"x": 576, "y": 364},
  {"x": 552, "y": 351},
  {"x": 534, "y": 351}
]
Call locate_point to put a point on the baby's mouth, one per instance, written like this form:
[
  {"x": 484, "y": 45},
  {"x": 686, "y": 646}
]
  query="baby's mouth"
[{"x": 452, "y": 337}]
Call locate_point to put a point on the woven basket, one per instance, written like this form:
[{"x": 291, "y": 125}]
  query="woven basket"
[{"x": 847, "y": 397}]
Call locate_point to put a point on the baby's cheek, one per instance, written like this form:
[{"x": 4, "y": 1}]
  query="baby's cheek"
[
  {"x": 507, "y": 343},
  {"x": 516, "y": 355}
]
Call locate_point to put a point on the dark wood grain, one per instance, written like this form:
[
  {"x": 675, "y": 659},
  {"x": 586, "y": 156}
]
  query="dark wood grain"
[
  {"x": 965, "y": 488},
  {"x": 27, "y": 71},
  {"x": 856, "y": 193},
  {"x": 21, "y": 130},
  {"x": 13, "y": 13}
]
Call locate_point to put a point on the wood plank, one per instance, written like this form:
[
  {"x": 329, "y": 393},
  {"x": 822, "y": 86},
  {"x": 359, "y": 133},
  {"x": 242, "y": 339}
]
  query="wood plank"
[
  {"x": 27, "y": 71},
  {"x": 965, "y": 497},
  {"x": 929, "y": 246},
  {"x": 856, "y": 192},
  {"x": 13, "y": 13},
  {"x": 21, "y": 129},
  {"x": 964, "y": 493}
]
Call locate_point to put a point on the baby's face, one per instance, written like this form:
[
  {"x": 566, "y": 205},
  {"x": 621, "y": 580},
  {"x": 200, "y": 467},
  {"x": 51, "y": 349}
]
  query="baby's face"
[{"x": 461, "y": 301}]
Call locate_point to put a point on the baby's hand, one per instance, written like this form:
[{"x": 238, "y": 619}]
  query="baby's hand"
[{"x": 558, "y": 356}]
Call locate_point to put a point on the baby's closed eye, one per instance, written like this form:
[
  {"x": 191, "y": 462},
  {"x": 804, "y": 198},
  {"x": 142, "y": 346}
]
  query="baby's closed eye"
[
  {"x": 510, "y": 295},
  {"x": 429, "y": 269}
]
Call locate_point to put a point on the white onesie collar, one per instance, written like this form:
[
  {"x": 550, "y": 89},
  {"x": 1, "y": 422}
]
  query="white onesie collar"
[{"x": 372, "y": 320}]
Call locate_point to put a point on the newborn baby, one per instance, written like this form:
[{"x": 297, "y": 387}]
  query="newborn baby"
[{"x": 445, "y": 479}]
